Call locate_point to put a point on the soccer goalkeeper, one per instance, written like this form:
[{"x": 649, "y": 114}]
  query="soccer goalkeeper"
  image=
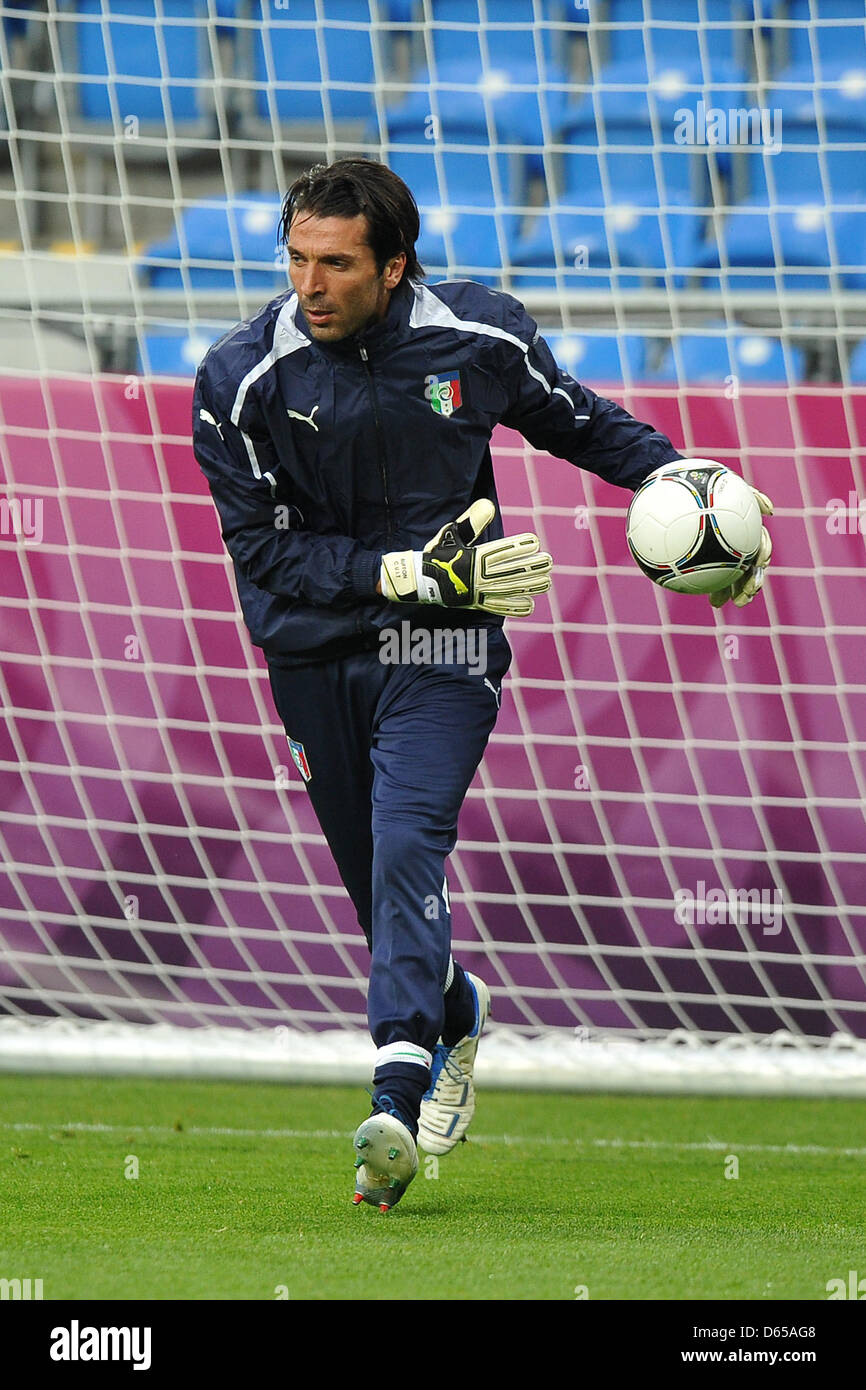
[{"x": 344, "y": 431}]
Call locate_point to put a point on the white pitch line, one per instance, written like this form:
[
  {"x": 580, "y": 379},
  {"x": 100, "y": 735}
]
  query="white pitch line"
[{"x": 545, "y": 1141}]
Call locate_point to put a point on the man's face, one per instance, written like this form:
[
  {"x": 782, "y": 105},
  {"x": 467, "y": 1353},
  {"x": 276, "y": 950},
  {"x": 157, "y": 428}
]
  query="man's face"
[{"x": 334, "y": 273}]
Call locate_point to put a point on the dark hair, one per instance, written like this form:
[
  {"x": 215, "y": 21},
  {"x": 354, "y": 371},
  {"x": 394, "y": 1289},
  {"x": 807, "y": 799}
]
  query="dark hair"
[{"x": 353, "y": 186}]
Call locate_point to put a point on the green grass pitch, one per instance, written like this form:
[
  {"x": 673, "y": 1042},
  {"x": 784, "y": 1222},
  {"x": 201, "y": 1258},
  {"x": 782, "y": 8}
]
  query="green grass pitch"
[{"x": 243, "y": 1193}]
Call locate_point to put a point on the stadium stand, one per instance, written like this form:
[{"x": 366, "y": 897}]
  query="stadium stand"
[
  {"x": 820, "y": 36},
  {"x": 635, "y": 232},
  {"x": 721, "y": 356},
  {"x": 542, "y": 140},
  {"x": 600, "y": 357},
  {"x": 857, "y": 365},
  {"x": 175, "y": 352},
  {"x": 311, "y": 71},
  {"x": 216, "y": 243},
  {"x": 810, "y": 247}
]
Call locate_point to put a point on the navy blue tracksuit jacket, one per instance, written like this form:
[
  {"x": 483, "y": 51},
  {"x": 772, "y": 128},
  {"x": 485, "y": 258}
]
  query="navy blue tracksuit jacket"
[{"x": 321, "y": 457}]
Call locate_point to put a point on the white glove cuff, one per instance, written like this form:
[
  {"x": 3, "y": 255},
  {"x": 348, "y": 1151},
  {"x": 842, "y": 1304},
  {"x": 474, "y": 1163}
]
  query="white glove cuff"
[
  {"x": 397, "y": 574},
  {"x": 402, "y": 576}
]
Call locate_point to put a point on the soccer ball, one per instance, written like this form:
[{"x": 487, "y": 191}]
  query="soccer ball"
[{"x": 694, "y": 526}]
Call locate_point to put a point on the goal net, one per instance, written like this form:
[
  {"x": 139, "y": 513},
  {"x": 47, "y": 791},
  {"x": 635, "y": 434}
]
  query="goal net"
[{"x": 661, "y": 869}]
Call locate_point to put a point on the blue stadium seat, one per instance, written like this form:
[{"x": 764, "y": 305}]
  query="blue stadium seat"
[
  {"x": 668, "y": 34},
  {"x": 857, "y": 365},
  {"x": 448, "y": 178},
  {"x": 711, "y": 357},
  {"x": 109, "y": 38},
  {"x": 461, "y": 108},
  {"x": 817, "y": 124},
  {"x": 585, "y": 265},
  {"x": 593, "y": 357},
  {"x": 497, "y": 42},
  {"x": 655, "y": 127},
  {"x": 470, "y": 245},
  {"x": 175, "y": 352},
  {"x": 439, "y": 175},
  {"x": 765, "y": 247},
  {"x": 811, "y": 40},
  {"x": 214, "y": 238},
  {"x": 633, "y": 233},
  {"x": 292, "y": 85}
]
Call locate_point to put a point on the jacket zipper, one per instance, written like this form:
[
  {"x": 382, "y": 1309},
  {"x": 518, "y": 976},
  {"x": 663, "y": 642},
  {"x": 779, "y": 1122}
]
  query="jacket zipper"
[{"x": 380, "y": 434}]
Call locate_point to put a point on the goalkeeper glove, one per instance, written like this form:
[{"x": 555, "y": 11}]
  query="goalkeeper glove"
[
  {"x": 743, "y": 590},
  {"x": 499, "y": 576}
]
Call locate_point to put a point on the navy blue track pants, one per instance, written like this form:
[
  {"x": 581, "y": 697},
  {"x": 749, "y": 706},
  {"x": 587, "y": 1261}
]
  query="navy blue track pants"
[{"x": 391, "y": 750}]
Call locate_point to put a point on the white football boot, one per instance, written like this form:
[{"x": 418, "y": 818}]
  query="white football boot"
[
  {"x": 386, "y": 1162},
  {"x": 449, "y": 1104}
]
